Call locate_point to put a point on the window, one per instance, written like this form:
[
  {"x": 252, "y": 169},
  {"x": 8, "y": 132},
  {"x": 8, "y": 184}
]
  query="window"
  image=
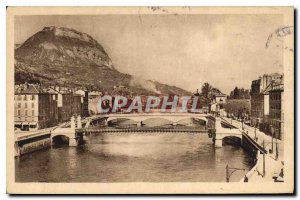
[
  {"x": 32, "y": 112},
  {"x": 26, "y": 112},
  {"x": 32, "y": 97},
  {"x": 19, "y": 97},
  {"x": 32, "y": 126},
  {"x": 25, "y": 97},
  {"x": 25, "y": 105},
  {"x": 32, "y": 105},
  {"x": 19, "y": 105},
  {"x": 19, "y": 112}
]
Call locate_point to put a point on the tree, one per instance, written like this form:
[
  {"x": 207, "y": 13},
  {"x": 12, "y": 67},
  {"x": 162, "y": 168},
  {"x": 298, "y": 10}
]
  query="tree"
[
  {"x": 236, "y": 93},
  {"x": 205, "y": 90},
  {"x": 239, "y": 93}
]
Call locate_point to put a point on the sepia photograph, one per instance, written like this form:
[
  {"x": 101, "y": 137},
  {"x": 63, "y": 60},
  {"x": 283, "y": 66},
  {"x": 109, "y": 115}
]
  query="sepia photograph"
[{"x": 150, "y": 100}]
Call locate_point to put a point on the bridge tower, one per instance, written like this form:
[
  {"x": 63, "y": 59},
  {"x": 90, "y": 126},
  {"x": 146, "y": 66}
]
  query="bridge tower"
[
  {"x": 218, "y": 139},
  {"x": 72, "y": 138},
  {"x": 79, "y": 123}
]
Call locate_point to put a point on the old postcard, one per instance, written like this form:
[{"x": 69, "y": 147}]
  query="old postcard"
[{"x": 150, "y": 100}]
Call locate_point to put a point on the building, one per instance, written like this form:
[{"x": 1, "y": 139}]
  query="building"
[
  {"x": 84, "y": 102},
  {"x": 259, "y": 98},
  {"x": 68, "y": 103},
  {"x": 93, "y": 104},
  {"x": 217, "y": 106},
  {"x": 35, "y": 108},
  {"x": 219, "y": 98},
  {"x": 276, "y": 118},
  {"x": 257, "y": 103},
  {"x": 77, "y": 104}
]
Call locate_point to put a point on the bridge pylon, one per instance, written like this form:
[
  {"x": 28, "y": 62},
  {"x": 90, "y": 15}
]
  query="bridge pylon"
[{"x": 72, "y": 142}]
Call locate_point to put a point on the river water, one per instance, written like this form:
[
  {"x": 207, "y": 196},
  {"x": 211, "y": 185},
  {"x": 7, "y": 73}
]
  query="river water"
[{"x": 135, "y": 157}]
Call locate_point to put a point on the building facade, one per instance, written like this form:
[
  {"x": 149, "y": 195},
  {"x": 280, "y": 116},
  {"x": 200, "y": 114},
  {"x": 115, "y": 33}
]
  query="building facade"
[
  {"x": 69, "y": 104},
  {"x": 256, "y": 100},
  {"x": 217, "y": 106},
  {"x": 276, "y": 117},
  {"x": 77, "y": 105},
  {"x": 257, "y": 109},
  {"x": 260, "y": 99},
  {"x": 84, "y": 102},
  {"x": 34, "y": 108}
]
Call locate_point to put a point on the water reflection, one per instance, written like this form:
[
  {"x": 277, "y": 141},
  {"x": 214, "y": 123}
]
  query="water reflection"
[{"x": 134, "y": 157}]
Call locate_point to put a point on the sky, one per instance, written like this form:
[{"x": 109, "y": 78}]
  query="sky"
[{"x": 181, "y": 50}]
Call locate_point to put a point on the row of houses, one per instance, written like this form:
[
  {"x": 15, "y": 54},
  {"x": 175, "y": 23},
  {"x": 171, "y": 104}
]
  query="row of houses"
[
  {"x": 266, "y": 105},
  {"x": 38, "y": 107},
  {"x": 267, "y": 111}
]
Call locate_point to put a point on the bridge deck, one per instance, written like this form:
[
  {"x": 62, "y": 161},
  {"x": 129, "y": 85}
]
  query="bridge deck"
[
  {"x": 141, "y": 129},
  {"x": 24, "y": 135},
  {"x": 31, "y": 134},
  {"x": 254, "y": 143}
]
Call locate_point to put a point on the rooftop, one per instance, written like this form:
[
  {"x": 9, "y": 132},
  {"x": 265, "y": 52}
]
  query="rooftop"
[{"x": 28, "y": 89}]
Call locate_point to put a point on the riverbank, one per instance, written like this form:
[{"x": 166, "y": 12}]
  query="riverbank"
[{"x": 269, "y": 167}]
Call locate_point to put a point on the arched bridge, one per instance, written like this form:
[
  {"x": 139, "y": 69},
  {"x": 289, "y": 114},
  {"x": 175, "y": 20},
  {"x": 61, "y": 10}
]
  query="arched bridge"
[
  {"x": 141, "y": 118},
  {"x": 225, "y": 130}
]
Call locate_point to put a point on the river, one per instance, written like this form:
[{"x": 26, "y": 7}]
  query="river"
[{"x": 135, "y": 157}]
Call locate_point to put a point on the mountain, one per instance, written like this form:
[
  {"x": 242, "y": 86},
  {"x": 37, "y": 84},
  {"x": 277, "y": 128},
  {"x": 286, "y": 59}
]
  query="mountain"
[{"x": 66, "y": 57}]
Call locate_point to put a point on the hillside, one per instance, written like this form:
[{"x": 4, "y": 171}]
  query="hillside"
[{"x": 66, "y": 57}]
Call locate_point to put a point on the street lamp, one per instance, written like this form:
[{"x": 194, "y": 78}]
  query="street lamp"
[
  {"x": 264, "y": 159},
  {"x": 276, "y": 144},
  {"x": 255, "y": 125},
  {"x": 243, "y": 117},
  {"x": 272, "y": 132},
  {"x": 272, "y": 150},
  {"x": 234, "y": 169},
  {"x": 242, "y": 123}
]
